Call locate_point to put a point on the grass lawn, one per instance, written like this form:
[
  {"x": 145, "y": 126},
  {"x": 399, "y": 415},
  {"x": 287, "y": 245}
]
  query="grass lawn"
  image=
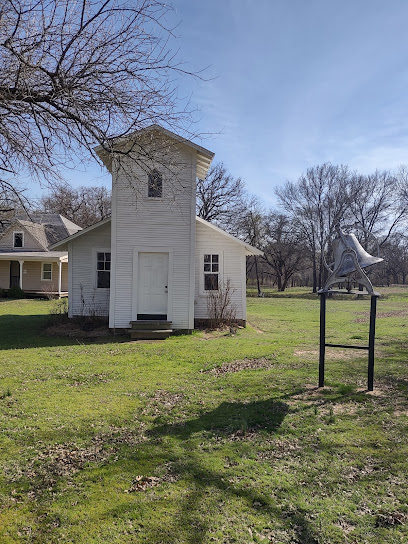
[{"x": 208, "y": 438}]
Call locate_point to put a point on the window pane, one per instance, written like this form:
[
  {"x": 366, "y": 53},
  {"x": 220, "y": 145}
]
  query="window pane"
[
  {"x": 107, "y": 266},
  {"x": 47, "y": 267},
  {"x": 101, "y": 265},
  {"x": 211, "y": 282},
  {"x": 107, "y": 256},
  {"x": 18, "y": 239},
  {"x": 214, "y": 258},
  {"x": 207, "y": 268},
  {"x": 155, "y": 184},
  {"x": 207, "y": 258},
  {"x": 46, "y": 275},
  {"x": 101, "y": 256},
  {"x": 215, "y": 267},
  {"x": 103, "y": 279}
]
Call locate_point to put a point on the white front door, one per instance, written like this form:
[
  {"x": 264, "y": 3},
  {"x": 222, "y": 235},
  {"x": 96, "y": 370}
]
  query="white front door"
[{"x": 153, "y": 274}]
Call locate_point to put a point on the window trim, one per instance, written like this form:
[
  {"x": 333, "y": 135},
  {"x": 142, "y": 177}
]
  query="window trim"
[
  {"x": 95, "y": 268},
  {"x": 155, "y": 197},
  {"x": 42, "y": 271},
  {"x": 14, "y": 239},
  {"x": 212, "y": 251}
]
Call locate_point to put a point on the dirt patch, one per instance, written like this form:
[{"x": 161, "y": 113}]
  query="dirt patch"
[
  {"x": 214, "y": 334},
  {"x": 240, "y": 364},
  {"x": 279, "y": 449},
  {"x": 65, "y": 460},
  {"x": 388, "y": 519},
  {"x": 162, "y": 401},
  {"x": 366, "y": 318},
  {"x": 350, "y": 408},
  {"x": 74, "y": 330},
  {"x": 143, "y": 483},
  {"x": 259, "y": 331},
  {"x": 335, "y": 354},
  {"x": 310, "y": 391},
  {"x": 345, "y": 526}
]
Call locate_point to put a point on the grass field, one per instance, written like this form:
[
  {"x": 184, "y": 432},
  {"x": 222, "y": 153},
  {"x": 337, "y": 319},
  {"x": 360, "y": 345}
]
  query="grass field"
[{"x": 208, "y": 438}]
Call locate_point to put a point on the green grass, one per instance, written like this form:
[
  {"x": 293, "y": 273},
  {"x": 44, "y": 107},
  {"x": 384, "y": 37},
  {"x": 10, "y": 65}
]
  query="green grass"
[{"x": 122, "y": 442}]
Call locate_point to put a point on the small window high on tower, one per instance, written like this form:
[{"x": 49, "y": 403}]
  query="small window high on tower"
[{"x": 155, "y": 184}]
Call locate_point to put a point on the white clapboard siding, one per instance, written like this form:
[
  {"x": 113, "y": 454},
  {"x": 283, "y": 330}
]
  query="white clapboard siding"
[
  {"x": 84, "y": 296},
  {"x": 140, "y": 223},
  {"x": 208, "y": 241}
]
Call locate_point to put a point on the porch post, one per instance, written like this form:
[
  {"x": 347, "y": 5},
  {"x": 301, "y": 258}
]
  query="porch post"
[
  {"x": 59, "y": 277},
  {"x": 21, "y": 274}
]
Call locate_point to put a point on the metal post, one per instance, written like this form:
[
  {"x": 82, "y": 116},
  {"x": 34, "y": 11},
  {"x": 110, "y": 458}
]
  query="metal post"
[
  {"x": 322, "y": 337},
  {"x": 373, "y": 311}
]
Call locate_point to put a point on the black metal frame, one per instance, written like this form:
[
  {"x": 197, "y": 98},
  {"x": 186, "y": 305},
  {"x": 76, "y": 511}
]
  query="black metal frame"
[{"x": 371, "y": 339}]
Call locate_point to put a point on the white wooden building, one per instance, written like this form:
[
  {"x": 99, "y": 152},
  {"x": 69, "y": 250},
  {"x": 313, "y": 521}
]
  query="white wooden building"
[{"x": 154, "y": 259}]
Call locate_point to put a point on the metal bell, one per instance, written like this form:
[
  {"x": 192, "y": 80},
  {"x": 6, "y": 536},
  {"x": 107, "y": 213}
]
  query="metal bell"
[{"x": 343, "y": 261}]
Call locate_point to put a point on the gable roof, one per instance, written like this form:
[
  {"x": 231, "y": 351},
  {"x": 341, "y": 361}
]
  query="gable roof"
[
  {"x": 249, "y": 250},
  {"x": 204, "y": 156},
  {"x": 45, "y": 228},
  {"x": 80, "y": 233}
]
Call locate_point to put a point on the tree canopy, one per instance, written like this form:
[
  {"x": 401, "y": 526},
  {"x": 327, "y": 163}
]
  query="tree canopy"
[{"x": 76, "y": 74}]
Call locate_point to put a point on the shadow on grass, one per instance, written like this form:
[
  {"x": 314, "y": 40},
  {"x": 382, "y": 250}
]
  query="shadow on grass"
[
  {"x": 229, "y": 418},
  {"x": 27, "y": 331},
  {"x": 210, "y": 488},
  {"x": 212, "y": 479}
]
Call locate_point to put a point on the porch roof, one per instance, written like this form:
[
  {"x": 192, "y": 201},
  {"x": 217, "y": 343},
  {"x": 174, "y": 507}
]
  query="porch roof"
[{"x": 53, "y": 256}]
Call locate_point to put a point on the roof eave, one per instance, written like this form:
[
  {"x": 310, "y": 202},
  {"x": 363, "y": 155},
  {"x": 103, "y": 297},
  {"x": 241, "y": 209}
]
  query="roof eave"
[
  {"x": 204, "y": 156},
  {"x": 249, "y": 250}
]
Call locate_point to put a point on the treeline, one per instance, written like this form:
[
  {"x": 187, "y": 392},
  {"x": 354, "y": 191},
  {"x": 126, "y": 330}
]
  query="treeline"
[{"x": 295, "y": 236}]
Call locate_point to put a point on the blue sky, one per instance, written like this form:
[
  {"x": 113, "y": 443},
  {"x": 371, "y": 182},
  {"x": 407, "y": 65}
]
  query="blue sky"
[{"x": 295, "y": 83}]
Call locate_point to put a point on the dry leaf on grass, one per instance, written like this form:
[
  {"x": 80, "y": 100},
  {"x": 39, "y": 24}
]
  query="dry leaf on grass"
[
  {"x": 142, "y": 483},
  {"x": 240, "y": 364}
]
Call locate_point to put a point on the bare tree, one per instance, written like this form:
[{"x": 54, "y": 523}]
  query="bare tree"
[
  {"x": 77, "y": 74},
  {"x": 83, "y": 205},
  {"x": 221, "y": 197},
  {"x": 250, "y": 226},
  {"x": 395, "y": 253},
  {"x": 377, "y": 207},
  {"x": 284, "y": 249},
  {"x": 318, "y": 201}
]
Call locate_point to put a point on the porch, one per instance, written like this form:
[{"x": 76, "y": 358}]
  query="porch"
[{"x": 36, "y": 273}]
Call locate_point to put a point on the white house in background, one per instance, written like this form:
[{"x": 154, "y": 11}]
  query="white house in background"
[
  {"x": 25, "y": 259},
  {"x": 154, "y": 259}
]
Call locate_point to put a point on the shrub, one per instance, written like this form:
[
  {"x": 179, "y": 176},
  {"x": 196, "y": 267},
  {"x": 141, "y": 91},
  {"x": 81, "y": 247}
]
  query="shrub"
[
  {"x": 49, "y": 291},
  {"x": 59, "y": 311},
  {"x": 220, "y": 308},
  {"x": 15, "y": 292}
]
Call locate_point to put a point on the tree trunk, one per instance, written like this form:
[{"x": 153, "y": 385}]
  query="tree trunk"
[
  {"x": 257, "y": 277},
  {"x": 314, "y": 274}
]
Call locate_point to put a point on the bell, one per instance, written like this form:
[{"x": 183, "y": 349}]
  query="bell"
[{"x": 344, "y": 263}]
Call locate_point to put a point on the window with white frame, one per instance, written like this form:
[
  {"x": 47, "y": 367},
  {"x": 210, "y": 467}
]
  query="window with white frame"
[
  {"x": 155, "y": 184},
  {"x": 18, "y": 239},
  {"x": 211, "y": 271},
  {"x": 46, "y": 271},
  {"x": 103, "y": 268}
]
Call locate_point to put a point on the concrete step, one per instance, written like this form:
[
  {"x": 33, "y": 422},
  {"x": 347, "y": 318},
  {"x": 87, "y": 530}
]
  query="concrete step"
[
  {"x": 150, "y": 325},
  {"x": 145, "y": 334}
]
